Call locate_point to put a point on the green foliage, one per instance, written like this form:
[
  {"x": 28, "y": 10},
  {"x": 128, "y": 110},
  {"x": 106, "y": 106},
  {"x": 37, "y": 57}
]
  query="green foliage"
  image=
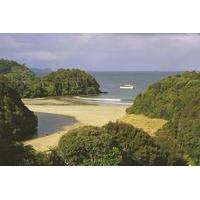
[
  {"x": 112, "y": 144},
  {"x": 16, "y": 154},
  {"x": 70, "y": 82},
  {"x": 16, "y": 120},
  {"x": 89, "y": 146},
  {"x": 176, "y": 98},
  {"x": 171, "y": 151},
  {"x": 54, "y": 157},
  {"x": 136, "y": 146},
  {"x": 168, "y": 96},
  {"x": 9, "y": 66},
  {"x": 184, "y": 129},
  {"x": 61, "y": 82}
]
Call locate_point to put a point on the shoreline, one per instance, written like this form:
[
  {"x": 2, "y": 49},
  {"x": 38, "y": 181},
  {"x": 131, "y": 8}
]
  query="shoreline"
[
  {"x": 45, "y": 142},
  {"x": 51, "y": 123},
  {"x": 84, "y": 114}
]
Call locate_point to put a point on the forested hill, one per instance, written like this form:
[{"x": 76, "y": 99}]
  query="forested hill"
[
  {"x": 10, "y": 66},
  {"x": 16, "y": 120},
  {"x": 61, "y": 82},
  {"x": 166, "y": 97},
  {"x": 70, "y": 82},
  {"x": 176, "y": 98}
]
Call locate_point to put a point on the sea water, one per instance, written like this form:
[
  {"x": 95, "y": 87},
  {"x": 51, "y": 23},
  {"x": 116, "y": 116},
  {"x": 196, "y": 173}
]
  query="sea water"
[{"x": 110, "y": 82}]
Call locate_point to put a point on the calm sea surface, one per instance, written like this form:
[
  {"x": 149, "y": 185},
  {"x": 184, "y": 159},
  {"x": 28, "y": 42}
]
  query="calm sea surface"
[
  {"x": 50, "y": 123},
  {"x": 111, "y": 81}
]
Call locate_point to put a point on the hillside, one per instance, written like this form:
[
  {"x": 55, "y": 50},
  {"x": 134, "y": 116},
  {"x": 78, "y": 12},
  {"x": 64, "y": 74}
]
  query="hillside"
[
  {"x": 61, "y": 82},
  {"x": 176, "y": 98},
  {"x": 71, "y": 82},
  {"x": 10, "y": 66},
  {"x": 16, "y": 120},
  {"x": 168, "y": 96}
]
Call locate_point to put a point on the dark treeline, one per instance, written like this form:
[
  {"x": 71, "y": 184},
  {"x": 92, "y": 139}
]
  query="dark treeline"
[
  {"x": 177, "y": 99},
  {"x": 114, "y": 144},
  {"x": 61, "y": 82},
  {"x": 16, "y": 120},
  {"x": 17, "y": 123}
]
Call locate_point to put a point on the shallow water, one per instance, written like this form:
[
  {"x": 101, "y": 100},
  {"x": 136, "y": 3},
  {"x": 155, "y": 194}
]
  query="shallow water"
[{"x": 50, "y": 123}]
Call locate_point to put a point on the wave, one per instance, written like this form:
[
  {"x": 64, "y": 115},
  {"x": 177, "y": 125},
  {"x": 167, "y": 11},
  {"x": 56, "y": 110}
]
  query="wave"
[
  {"x": 97, "y": 99},
  {"x": 103, "y": 100}
]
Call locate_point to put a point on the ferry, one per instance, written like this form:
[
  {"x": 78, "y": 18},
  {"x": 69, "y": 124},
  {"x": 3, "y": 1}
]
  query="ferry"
[{"x": 128, "y": 86}]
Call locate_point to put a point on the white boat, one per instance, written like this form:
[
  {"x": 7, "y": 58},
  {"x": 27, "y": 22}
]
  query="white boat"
[{"x": 128, "y": 86}]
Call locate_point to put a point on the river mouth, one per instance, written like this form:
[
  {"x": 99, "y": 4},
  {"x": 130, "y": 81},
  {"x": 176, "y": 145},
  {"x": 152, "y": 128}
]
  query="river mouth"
[{"x": 51, "y": 123}]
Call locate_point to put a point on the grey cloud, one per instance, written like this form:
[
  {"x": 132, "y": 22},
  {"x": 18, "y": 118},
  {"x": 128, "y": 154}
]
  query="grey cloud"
[{"x": 104, "y": 51}]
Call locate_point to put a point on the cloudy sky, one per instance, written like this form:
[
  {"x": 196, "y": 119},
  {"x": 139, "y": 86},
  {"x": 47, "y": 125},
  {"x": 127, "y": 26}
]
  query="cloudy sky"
[{"x": 134, "y": 52}]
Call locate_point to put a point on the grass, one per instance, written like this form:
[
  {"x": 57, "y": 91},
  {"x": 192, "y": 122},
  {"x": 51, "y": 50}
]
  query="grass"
[{"x": 150, "y": 125}]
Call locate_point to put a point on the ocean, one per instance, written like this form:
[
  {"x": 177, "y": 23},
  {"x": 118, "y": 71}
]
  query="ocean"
[{"x": 110, "y": 82}]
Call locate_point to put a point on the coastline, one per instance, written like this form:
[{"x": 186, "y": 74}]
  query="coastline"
[
  {"x": 43, "y": 143},
  {"x": 84, "y": 113}
]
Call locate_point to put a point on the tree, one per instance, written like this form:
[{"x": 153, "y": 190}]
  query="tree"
[
  {"x": 89, "y": 146},
  {"x": 113, "y": 144},
  {"x": 176, "y": 98},
  {"x": 16, "y": 120},
  {"x": 136, "y": 146},
  {"x": 16, "y": 154}
]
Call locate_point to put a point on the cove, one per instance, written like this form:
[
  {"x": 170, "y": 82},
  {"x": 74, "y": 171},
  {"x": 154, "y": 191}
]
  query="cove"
[{"x": 51, "y": 123}]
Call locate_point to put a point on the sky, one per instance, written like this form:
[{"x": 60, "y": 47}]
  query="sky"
[{"x": 102, "y": 52}]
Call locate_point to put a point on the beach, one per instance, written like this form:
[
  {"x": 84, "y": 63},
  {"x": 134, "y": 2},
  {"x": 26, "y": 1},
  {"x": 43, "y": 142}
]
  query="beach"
[{"x": 85, "y": 114}]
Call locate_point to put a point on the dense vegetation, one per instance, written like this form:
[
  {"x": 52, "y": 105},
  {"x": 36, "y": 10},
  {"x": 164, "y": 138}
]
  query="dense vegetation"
[
  {"x": 16, "y": 120},
  {"x": 61, "y": 82},
  {"x": 168, "y": 96},
  {"x": 16, "y": 123},
  {"x": 70, "y": 82},
  {"x": 13, "y": 153},
  {"x": 112, "y": 144},
  {"x": 176, "y": 98}
]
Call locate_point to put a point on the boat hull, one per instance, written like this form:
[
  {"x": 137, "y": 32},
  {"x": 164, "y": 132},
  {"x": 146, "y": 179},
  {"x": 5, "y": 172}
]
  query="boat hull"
[{"x": 124, "y": 87}]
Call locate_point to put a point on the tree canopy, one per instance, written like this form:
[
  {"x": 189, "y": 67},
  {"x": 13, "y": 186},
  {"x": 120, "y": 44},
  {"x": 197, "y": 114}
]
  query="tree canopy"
[
  {"x": 16, "y": 120},
  {"x": 176, "y": 98},
  {"x": 113, "y": 144},
  {"x": 70, "y": 82},
  {"x": 14, "y": 153},
  {"x": 61, "y": 82}
]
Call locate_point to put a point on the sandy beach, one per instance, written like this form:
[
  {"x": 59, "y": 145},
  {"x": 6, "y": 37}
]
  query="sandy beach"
[
  {"x": 85, "y": 114},
  {"x": 96, "y": 115}
]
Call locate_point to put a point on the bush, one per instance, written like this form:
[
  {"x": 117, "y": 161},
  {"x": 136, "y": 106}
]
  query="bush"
[
  {"x": 112, "y": 144},
  {"x": 89, "y": 146},
  {"x": 17, "y": 122},
  {"x": 178, "y": 100},
  {"x": 16, "y": 154}
]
